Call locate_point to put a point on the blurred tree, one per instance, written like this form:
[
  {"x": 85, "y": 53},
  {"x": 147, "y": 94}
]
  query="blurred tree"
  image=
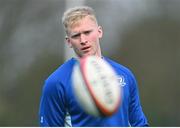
[{"x": 150, "y": 49}]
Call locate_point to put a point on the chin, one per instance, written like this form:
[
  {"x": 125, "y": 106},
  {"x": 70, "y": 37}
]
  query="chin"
[
  {"x": 85, "y": 55},
  {"x": 88, "y": 54}
]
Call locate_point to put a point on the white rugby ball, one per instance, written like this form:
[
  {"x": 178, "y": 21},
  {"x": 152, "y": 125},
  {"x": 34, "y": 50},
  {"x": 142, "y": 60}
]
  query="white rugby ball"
[{"x": 96, "y": 86}]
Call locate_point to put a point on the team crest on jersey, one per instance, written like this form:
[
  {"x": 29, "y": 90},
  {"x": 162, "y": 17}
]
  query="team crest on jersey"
[{"x": 121, "y": 80}]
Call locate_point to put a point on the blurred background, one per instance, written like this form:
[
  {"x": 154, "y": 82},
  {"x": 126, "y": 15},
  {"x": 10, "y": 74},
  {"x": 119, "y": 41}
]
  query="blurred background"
[{"x": 143, "y": 35}]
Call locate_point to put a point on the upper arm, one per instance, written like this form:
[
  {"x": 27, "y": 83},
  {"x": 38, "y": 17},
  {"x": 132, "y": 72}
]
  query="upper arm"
[
  {"x": 136, "y": 115},
  {"x": 52, "y": 105}
]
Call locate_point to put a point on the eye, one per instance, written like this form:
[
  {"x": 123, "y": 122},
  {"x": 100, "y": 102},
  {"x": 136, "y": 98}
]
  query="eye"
[{"x": 87, "y": 32}]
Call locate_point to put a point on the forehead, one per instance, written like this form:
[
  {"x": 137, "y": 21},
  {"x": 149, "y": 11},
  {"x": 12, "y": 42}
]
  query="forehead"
[{"x": 83, "y": 23}]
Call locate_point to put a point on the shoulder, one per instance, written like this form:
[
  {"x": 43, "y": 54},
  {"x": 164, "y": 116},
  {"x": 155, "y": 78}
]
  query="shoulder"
[
  {"x": 118, "y": 67},
  {"x": 62, "y": 71},
  {"x": 60, "y": 75},
  {"x": 122, "y": 71}
]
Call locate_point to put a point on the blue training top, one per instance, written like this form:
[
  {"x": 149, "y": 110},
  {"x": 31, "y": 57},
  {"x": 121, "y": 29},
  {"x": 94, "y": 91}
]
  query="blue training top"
[{"x": 58, "y": 106}]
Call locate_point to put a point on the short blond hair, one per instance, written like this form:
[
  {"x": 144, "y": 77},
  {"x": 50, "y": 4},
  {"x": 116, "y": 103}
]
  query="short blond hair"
[{"x": 73, "y": 15}]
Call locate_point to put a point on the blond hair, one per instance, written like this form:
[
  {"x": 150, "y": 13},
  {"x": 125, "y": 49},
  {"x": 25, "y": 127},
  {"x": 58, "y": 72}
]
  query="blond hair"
[{"x": 73, "y": 15}]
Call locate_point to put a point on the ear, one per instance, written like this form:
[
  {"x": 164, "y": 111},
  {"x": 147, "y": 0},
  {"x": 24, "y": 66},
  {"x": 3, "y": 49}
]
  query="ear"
[
  {"x": 100, "y": 31},
  {"x": 68, "y": 41}
]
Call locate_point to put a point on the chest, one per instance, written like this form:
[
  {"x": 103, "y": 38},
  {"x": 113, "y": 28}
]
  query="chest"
[{"x": 74, "y": 106}]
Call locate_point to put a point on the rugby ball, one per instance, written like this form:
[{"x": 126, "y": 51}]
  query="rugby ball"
[{"x": 96, "y": 86}]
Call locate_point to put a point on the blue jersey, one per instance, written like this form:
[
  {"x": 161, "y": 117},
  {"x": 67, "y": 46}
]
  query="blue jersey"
[{"x": 59, "y": 107}]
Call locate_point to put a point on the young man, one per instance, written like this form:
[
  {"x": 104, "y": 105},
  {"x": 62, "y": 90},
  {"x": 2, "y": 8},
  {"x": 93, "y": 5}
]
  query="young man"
[{"x": 58, "y": 106}]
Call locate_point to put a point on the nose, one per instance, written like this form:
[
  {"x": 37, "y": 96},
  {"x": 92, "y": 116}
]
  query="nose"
[{"x": 83, "y": 39}]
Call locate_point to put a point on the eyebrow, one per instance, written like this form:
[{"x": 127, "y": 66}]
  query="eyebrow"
[{"x": 73, "y": 34}]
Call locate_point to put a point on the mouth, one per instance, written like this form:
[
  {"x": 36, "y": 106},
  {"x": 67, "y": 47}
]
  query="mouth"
[{"x": 85, "y": 48}]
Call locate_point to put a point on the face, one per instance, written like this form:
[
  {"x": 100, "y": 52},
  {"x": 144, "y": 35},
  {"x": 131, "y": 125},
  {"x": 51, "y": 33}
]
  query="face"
[{"x": 84, "y": 38}]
